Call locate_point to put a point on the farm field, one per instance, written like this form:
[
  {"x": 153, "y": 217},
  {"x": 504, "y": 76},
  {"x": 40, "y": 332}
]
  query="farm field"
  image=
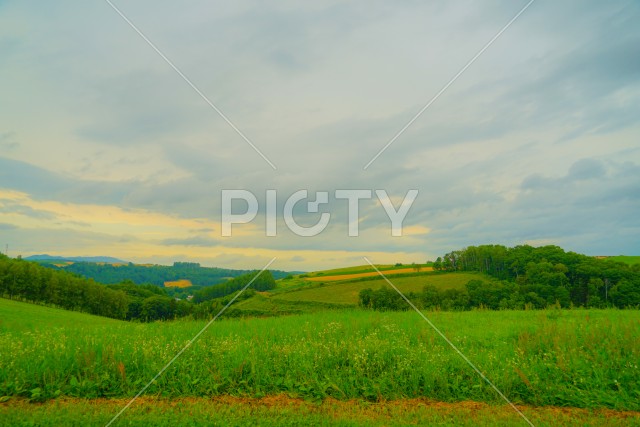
[
  {"x": 335, "y": 277},
  {"x": 347, "y": 292},
  {"x": 184, "y": 283},
  {"x": 345, "y": 273},
  {"x": 359, "y": 269},
  {"x": 627, "y": 259},
  {"x": 563, "y": 358}
]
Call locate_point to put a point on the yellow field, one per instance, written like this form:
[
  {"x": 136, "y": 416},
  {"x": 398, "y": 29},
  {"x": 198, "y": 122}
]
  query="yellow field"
[
  {"x": 63, "y": 264},
  {"x": 178, "y": 284},
  {"x": 368, "y": 274}
]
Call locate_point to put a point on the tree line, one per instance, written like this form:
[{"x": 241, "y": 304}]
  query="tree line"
[{"x": 525, "y": 276}]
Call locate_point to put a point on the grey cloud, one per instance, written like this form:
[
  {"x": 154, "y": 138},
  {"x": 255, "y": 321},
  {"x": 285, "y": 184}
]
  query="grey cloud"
[
  {"x": 203, "y": 241},
  {"x": 581, "y": 170},
  {"x": 45, "y": 184},
  {"x": 7, "y": 140},
  {"x": 30, "y": 241},
  {"x": 17, "y": 208},
  {"x": 586, "y": 169}
]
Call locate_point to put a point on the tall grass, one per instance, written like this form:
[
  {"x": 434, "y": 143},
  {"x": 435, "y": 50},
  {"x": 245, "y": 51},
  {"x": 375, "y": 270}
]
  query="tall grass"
[{"x": 581, "y": 358}]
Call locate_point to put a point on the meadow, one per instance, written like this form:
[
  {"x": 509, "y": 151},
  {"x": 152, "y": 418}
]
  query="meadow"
[
  {"x": 566, "y": 358},
  {"x": 627, "y": 259}
]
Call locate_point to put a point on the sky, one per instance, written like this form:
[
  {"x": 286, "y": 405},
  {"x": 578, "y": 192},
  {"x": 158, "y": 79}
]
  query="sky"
[{"x": 106, "y": 150}]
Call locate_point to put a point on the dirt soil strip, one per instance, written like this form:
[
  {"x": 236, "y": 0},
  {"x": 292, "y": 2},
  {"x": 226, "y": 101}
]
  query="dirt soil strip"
[{"x": 363, "y": 408}]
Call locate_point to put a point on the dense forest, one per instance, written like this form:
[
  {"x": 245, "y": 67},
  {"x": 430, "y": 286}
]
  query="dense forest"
[
  {"x": 153, "y": 274},
  {"x": 524, "y": 277},
  {"x": 29, "y": 281}
]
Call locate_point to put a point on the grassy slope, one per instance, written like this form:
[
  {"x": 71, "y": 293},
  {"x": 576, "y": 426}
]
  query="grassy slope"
[
  {"x": 628, "y": 259},
  {"x": 347, "y": 292},
  {"x": 300, "y": 281},
  {"x": 20, "y": 317},
  {"x": 580, "y": 358}
]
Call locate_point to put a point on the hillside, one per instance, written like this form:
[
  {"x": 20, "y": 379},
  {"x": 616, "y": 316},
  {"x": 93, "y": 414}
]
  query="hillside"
[
  {"x": 102, "y": 259},
  {"x": 302, "y": 295},
  {"x": 627, "y": 259},
  {"x": 157, "y": 275},
  {"x": 20, "y": 317},
  {"x": 347, "y": 292}
]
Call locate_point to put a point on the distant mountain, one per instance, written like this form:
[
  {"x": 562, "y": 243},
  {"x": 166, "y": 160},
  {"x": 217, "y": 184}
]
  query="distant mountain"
[{"x": 45, "y": 257}]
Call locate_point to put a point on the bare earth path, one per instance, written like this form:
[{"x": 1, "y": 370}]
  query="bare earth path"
[{"x": 285, "y": 411}]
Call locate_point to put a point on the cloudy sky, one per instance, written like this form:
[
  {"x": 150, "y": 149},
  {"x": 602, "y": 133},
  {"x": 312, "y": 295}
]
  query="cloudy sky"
[{"x": 106, "y": 150}]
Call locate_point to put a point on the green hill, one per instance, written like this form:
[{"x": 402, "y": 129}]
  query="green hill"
[
  {"x": 347, "y": 292},
  {"x": 300, "y": 296},
  {"x": 627, "y": 259},
  {"x": 49, "y": 258},
  {"x": 108, "y": 273},
  {"x": 357, "y": 269},
  {"x": 20, "y": 317}
]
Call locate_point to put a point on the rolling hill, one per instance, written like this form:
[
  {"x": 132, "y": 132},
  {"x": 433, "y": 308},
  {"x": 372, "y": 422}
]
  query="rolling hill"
[
  {"x": 305, "y": 294},
  {"x": 101, "y": 259}
]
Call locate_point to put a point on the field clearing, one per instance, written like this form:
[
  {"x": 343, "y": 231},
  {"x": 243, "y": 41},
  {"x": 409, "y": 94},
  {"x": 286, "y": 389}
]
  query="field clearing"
[
  {"x": 576, "y": 358},
  {"x": 184, "y": 283},
  {"x": 347, "y": 292},
  {"x": 63, "y": 264},
  {"x": 365, "y": 274},
  {"x": 627, "y": 259},
  {"x": 281, "y": 410}
]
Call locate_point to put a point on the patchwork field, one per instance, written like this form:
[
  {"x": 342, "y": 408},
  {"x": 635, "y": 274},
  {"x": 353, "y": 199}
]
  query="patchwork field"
[
  {"x": 347, "y": 292},
  {"x": 350, "y": 276}
]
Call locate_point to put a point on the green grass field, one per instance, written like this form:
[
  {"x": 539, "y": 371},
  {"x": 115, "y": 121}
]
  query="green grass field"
[
  {"x": 574, "y": 358},
  {"x": 347, "y": 292},
  {"x": 627, "y": 259}
]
